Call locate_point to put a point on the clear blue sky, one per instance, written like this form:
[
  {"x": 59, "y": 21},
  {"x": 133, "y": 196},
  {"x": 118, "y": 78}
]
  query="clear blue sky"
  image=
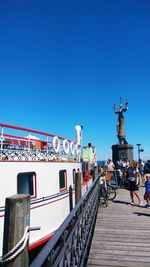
[{"x": 64, "y": 63}]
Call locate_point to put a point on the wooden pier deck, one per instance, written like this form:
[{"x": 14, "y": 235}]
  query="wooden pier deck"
[{"x": 122, "y": 234}]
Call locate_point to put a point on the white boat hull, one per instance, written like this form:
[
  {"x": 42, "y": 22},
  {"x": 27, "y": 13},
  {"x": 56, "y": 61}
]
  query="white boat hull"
[{"x": 50, "y": 205}]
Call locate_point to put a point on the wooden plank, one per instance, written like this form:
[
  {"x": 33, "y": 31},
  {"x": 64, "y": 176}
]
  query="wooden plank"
[
  {"x": 120, "y": 247},
  {"x": 114, "y": 263},
  {"x": 121, "y": 235},
  {"x": 124, "y": 251},
  {"x": 123, "y": 258}
]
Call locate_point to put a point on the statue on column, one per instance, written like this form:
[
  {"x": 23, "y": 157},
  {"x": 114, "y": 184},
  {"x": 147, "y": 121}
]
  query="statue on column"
[{"x": 120, "y": 123}]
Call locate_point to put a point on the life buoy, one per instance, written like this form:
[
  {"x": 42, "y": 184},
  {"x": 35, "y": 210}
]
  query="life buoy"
[
  {"x": 56, "y": 144},
  {"x": 66, "y": 146},
  {"x": 72, "y": 149},
  {"x": 77, "y": 149}
]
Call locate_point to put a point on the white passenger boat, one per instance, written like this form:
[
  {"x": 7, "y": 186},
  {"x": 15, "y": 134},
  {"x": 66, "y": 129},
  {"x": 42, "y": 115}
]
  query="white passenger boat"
[{"x": 44, "y": 166}]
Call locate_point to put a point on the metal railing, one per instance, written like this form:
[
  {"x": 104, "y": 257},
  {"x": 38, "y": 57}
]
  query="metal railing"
[
  {"x": 17, "y": 144},
  {"x": 71, "y": 243}
]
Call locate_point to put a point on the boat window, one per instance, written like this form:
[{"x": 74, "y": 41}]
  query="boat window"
[
  {"x": 26, "y": 183},
  {"x": 62, "y": 180}
]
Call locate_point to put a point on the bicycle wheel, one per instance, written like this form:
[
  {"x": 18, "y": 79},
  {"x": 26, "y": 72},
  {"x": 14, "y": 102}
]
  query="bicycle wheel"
[
  {"x": 111, "y": 191},
  {"x": 106, "y": 201},
  {"x": 103, "y": 198}
]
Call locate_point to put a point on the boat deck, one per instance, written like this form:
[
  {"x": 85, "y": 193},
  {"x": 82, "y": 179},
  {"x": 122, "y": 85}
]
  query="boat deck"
[{"x": 122, "y": 234}]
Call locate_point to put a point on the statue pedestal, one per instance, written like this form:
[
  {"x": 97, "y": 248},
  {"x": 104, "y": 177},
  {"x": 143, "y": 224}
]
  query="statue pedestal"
[{"x": 122, "y": 151}]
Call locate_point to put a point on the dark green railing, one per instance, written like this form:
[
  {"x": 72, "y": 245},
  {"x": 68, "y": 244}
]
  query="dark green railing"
[{"x": 71, "y": 243}]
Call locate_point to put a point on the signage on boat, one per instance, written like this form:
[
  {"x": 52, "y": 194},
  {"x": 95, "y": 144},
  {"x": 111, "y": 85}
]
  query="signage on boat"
[{"x": 86, "y": 154}]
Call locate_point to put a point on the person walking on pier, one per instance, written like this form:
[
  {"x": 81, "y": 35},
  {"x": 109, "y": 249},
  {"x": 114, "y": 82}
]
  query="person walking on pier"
[
  {"x": 147, "y": 167},
  {"x": 141, "y": 170},
  {"x": 110, "y": 165},
  {"x": 147, "y": 190},
  {"x": 133, "y": 177}
]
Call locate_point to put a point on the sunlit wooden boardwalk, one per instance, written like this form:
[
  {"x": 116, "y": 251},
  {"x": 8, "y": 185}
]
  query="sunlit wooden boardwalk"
[{"x": 122, "y": 234}]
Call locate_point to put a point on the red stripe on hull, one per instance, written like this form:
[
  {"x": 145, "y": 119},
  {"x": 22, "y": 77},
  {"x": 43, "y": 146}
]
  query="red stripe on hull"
[{"x": 41, "y": 242}]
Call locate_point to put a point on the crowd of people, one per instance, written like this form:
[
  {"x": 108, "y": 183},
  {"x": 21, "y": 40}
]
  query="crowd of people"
[{"x": 135, "y": 174}]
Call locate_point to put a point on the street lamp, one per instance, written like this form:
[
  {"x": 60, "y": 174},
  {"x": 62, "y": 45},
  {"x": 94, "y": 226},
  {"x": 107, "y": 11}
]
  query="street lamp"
[{"x": 139, "y": 150}]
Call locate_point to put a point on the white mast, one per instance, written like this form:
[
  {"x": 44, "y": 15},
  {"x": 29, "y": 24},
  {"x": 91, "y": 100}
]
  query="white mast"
[{"x": 78, "y": 129}]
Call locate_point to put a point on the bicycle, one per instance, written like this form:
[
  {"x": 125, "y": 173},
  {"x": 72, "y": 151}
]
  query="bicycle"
[
  {"x": 103, "y": 192},
  {"x": 111, "y": 191}
]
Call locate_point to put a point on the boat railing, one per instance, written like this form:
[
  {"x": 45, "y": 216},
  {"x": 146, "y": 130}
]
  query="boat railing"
[
  {"x": 71, "y": 243},
  {"x": 43, "y": 146}
]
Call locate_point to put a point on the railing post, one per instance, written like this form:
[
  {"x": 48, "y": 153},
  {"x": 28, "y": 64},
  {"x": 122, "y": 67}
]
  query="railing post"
[
  {"x": 70, "y": 198},
  {"x": 94, "y": 173},
  {"x": 2, "y": 141},
  {"x": 17, "y": 218},
  {"x": 28, "y": 141},
  {"x": 47, "y": 148},
  {"x": 77, "y": 187}
]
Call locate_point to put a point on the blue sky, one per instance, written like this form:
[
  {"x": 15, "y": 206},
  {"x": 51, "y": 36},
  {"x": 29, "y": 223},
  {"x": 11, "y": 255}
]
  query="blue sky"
[{"x": 64, "y": 63}]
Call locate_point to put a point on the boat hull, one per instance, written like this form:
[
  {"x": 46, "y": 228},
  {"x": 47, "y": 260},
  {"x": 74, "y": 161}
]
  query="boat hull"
[{"x": 49, "y": 202}]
